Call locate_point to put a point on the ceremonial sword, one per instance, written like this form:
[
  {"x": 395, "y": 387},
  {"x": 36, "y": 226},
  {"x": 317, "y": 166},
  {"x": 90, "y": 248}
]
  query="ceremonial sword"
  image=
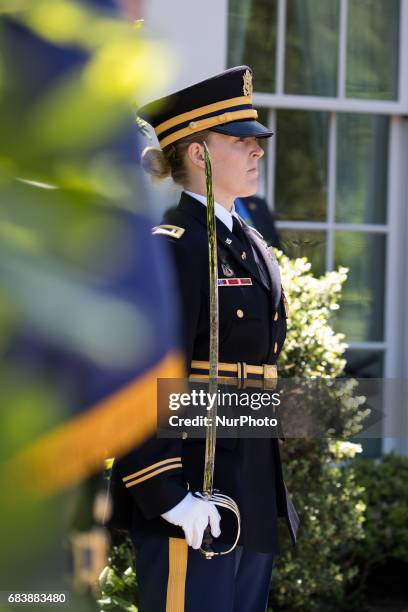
[{"x": 209, "y": 493}]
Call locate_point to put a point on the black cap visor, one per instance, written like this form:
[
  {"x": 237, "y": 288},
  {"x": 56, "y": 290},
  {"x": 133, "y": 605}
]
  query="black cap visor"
[{"x": 247, "y": 127}]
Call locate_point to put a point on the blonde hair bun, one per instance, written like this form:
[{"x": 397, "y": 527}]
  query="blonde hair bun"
[{"x": 155, "y": 163}]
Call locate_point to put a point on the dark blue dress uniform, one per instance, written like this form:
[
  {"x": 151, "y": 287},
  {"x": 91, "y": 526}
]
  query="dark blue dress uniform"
[{"x": 252, "y": 326}]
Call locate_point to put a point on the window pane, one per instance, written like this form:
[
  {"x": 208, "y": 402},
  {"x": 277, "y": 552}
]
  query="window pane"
[
  {"x": 364, "y": 363},
  {"x": 252, "y": 39},
  {"x": 362, "y": 161},
  {"x": 312, "y": 47},
  {"x": 361, "y": 311},
  {"x": 372, "y": 49},
  {"x": 301, "y": 165},
  {"x": 368, "y": 364},
  {"x": 302, "y": 243}
]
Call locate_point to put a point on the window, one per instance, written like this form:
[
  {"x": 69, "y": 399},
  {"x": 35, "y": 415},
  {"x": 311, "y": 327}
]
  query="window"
[
  {"x": 326, "y": 75},
  {"x": 311, "y": 25},
  {"x": 372, "y": 50}
]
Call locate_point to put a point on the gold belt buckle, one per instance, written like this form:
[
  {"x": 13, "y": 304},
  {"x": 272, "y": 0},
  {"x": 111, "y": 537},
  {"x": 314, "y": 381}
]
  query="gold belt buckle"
[
  {"x": 244, "y": 371},
  {"x": 242, "y": 374},
  {"x": 269, "y": 371},
  {"x": 270, "y": 379}
]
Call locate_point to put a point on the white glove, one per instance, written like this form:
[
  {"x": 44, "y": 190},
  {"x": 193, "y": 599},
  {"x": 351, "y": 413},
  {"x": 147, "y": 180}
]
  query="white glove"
[{"x": 193, "y": 515}]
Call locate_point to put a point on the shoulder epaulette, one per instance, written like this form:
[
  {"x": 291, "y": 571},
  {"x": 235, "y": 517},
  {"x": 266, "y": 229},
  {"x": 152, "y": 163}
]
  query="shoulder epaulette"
[{"x": 168, "y": 230}]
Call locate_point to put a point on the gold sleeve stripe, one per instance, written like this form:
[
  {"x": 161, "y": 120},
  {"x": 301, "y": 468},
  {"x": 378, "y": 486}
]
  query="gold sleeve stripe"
[
  {"x": 205, "y": 124},
  {"x": 84, "y": 441},
  {"x": 151, "y": 467},
  {"x": 174, "y": 466},
  {"x": 176, "y": 582},
  {"x": 203, "y": 110}
]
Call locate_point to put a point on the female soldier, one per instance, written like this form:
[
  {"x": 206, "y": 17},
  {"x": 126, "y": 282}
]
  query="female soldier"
[{"x": 166, "y": 520}]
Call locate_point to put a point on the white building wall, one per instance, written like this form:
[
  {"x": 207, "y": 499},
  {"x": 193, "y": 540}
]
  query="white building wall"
[{"x": 195, "y": 31}]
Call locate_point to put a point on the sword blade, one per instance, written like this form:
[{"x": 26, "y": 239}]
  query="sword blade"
[{"x": 211, "y": 431}]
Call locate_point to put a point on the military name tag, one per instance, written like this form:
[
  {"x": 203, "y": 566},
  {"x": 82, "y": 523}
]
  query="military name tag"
[{"x": 234, "y": 282}]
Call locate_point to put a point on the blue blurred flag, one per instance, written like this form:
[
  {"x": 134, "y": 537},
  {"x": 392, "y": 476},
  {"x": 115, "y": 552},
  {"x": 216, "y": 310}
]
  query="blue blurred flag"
[{"x": 90, "y": 293}]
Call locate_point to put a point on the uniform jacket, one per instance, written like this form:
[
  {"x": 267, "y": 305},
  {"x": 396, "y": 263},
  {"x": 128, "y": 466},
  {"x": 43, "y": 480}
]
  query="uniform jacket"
[{"x": 252, "y": 328}]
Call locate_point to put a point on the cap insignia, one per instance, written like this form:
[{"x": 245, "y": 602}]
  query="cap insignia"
[{"x": 248, "y": 89}]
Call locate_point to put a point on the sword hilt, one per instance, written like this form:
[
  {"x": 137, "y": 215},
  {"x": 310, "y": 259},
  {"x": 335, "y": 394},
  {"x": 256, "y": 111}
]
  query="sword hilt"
[
  {"x": 223, "y": 501},
  {"x": 206, "y": 548}
]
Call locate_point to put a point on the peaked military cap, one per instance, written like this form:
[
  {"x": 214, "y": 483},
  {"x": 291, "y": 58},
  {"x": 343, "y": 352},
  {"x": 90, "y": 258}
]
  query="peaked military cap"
[{"x": 222, "y": 103}]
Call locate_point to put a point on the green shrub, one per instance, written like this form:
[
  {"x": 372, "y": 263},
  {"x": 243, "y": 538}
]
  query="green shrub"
[
  {"x": 315, "y": 574},
  {"x": 118, "y": 583},
  {"x": 385, "y": 495},
  {"x": 311, "y": 349}
]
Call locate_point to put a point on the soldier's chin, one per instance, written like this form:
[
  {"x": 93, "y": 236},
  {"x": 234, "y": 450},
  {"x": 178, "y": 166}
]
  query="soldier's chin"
[{"x": 249, "y": 190}]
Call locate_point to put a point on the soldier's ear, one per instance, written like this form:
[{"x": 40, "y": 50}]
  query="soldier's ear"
[{"x": 195, "y": 153}]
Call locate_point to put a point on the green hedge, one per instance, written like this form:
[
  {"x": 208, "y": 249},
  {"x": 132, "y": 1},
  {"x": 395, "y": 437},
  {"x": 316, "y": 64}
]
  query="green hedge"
[
  {"x": 385, "y": 495},
  {"x": 118, "y": 580},
  {"x": 315, "y": 575}
]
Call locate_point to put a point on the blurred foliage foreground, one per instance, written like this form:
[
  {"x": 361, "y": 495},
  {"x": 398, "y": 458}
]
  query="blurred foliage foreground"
[
  {"x": 70, "y": 74},
  {"x": 353, "y": 513},
  {"x": 69, "y": 77}
]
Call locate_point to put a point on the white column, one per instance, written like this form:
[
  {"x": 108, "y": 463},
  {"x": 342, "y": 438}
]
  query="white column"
[
  {"x": 396, "y": 291},
  {"x": 403, "y": 53}
]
